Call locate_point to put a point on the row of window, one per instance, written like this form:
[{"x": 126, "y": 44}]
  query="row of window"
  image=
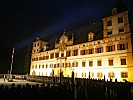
[
  {"x": 110, "y": 48},
  {"x": 120, "y": 30},
  {"x": 100, "y": 75},
  {"x": 120, "y": 20},
  {"x": 91, "y": 74},
  {"x": 35, "y": 45},
  {"x": 75, "y": 64}
]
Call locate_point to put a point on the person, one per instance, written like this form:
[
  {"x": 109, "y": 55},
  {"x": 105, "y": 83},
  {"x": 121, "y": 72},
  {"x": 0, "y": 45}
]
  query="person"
[{"x": 4, "y": 77}]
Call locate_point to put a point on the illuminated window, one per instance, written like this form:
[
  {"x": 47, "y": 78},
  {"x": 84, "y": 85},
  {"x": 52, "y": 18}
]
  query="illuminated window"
[
  {"x": 99, "y": 63},
  {"x": 123, "y": 61},
  {"x": 120, "y": 20},
  {"x": 68, "y": 53},
  {"x": 99, "y": 50},
  {"x": 109, "y": 23},
  {"x": 84, "y": 74},
  {"x": 51, "y": 74},
  {"x": 99, "y": 75},
  {"x": 111, "y": 74},
  {"x": 110, "y": 62},
  {"x": 42, "y": 73},
  {"x": 42, "y": 66},
  {"x": 75, "y": 52},
  {"x": 91, "y": 74},
  {"x": 124, "y": 74},
  {"x": 90, "y": 63},
  {"x": 51, "y": 56},
  {"x": 83, "y": 64},
  {"x": 110, "y": 48},
  {"x": 75, "y": 74}
]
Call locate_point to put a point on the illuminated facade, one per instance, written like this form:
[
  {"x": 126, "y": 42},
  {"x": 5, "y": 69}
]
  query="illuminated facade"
[{"x": 109, "y": 57}]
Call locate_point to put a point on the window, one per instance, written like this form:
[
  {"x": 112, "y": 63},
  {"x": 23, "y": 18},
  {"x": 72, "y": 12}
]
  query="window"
[
  {"x": 110, "y": 48},
  {"x": 99, "y": 63},
  {"x": 99, "y": 50},
  {"x": 110, "y": 33},
  {"x": 91, "y": 51},
  {"x": 33, "y": 67},
  {"x": 82, "y": 52},
  {"x": 56, "y": 55},
  {"x": 46, "y": 66},
  {"x": 42, "y": 66},
  {"x": 121, "y": 30},
  {"x": 39, "y": 66},
  {"x": 84, "y": 74},
  {"x": 75, "y": 64},
  {"x": 51, "y": 56},
  {"x": 54, "y": 65},
  {"x": 111, "y": 75},
  {"x": 109, "y": 23},
  {"x": 51, "y": 65},
  {"x": 68, "y": 64},
  {"x": 120, "y": 20},
  {"x": 37, "y": 44},
  {"x": 68, "y": 53},
  {"x": 91, "y": 74},
  {"x": 124, "y": 74},
  {"x": 122, "y": 46},
  {"x": 111, "y": 62},
  {"x": 83, "y": 64},
  {"x": 90, "y": 63},
  {"x": 75, "y": 52},
  {"x": 36, "y": 67},
  {"x": 123, "y": 61},
  {"x": 62, "y": 54},
  {"x": 46, "y": 57},
  {"x": 75, "y": 74},
  {"x": 99, "y": 75},
  {"x": 42, "y": 73}
]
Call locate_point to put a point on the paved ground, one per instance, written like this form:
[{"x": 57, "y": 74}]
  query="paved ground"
[{"x": 17, "y": 82}]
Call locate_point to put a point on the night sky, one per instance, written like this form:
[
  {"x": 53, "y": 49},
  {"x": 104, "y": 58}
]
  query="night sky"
[{"x": 22, "y": 20}]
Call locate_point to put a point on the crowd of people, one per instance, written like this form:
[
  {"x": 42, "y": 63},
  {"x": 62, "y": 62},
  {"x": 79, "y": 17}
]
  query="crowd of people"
[{"x": 81, "y": 89}]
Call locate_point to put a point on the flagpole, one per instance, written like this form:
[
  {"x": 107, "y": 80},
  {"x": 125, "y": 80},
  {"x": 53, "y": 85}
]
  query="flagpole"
[{"x": 12, "y": 62}]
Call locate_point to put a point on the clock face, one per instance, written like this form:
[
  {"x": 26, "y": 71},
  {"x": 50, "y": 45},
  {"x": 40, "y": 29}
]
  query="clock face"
[{"x": 114, "y": 11}]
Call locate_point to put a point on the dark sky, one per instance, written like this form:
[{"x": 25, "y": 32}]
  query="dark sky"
[{"x": 22, "y": 20}]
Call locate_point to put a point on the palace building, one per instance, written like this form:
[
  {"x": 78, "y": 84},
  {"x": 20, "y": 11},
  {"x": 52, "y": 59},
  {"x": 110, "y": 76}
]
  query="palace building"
[{"x": 96, "y": 55}]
